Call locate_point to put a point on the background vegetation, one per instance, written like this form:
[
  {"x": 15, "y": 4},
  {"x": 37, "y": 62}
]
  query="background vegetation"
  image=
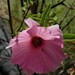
[{"x": 46, "y": 12}]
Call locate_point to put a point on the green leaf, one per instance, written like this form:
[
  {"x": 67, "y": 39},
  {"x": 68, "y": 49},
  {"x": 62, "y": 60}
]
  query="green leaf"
[
  {"x": 68, "y": 37},
  {"x": 69, "y": 40},
  {"x": 34, "y": 16},
  {"x": 45, "y": 15}
]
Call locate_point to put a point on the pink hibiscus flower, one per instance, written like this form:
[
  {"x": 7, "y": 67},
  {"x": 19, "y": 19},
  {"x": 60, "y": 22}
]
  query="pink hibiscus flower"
[{"x": 38, "y": 49}]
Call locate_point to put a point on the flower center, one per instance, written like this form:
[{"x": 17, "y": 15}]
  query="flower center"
[{"x": 36, "y": 41}]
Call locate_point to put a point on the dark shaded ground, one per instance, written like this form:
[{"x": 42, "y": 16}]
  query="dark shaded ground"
[{"x": 6, "y": 67}]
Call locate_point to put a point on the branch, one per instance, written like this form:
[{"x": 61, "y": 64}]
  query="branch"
[{"x": 58, "y": 4}]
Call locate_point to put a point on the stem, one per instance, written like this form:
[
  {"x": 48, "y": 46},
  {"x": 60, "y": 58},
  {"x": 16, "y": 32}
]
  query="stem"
[{"x": 10, "y": 19}]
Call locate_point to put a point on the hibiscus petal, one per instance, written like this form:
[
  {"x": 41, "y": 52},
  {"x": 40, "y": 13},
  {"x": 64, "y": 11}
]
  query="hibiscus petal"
[
  {"x": 36, "y": 63},
  {"x": 52, "y": 56},
  {"x": 54, "y": 30},
  {"x": 21, "y": 55},
  {"x": 58, "y": 42},
  {"x": 44, "y": 34},
  {"x": 21, "y": 37},
  {"x": 30, "y": 22},
  {"x": 20, "y": 52},
  {"x": 32, "y": 31},
  {"x": 40, "y": 62},
  {"x": 28, "y": 60},
  {"x": 49, "y": 63},
  {"x": 54, "y": 50}
]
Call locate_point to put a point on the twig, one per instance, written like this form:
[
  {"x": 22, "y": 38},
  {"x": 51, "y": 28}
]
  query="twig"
[
  {"x": 25, "y": 14},
  {"x": 68, "y": 23},
  {"x": 10, "y": 19}
]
